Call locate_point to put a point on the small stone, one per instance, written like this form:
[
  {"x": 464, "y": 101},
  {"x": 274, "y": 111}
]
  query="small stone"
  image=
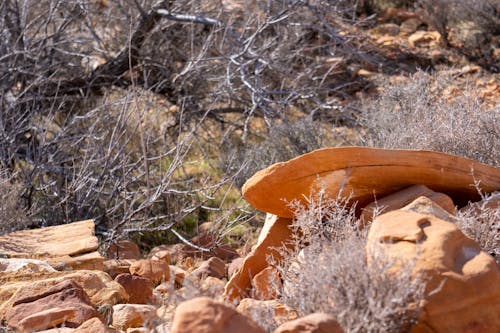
[
  {"x": 139, "y": 289},
  {"x": 179, "y": 274},
  {"x": 133, "y": 315},
  {"x": 424, "y": 38},
  {"x": 214, "y": 267},
  {"x": 280, "y": 312},
  {"x": 267, "y": 284},
  {"x": 155, "y": 270},
  {"x": 123, "y": 249},
  {"x": 94, "y": 325}
]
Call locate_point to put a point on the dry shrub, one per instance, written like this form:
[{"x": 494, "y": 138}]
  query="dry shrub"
[
  {"x": 281, "y": 142},
  {"x": 12, "y": 215},
  {"x": 471, "y": 26},
  {"x": 331, "y": 274},
  {"x": 414, "y": 115},
  {"x": 481, "y": 222}
]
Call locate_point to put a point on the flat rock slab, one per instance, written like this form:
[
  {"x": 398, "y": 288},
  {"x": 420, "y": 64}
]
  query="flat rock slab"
[
  {"x": 365, "y": 173},
  {"x": 57, "y": 241}
]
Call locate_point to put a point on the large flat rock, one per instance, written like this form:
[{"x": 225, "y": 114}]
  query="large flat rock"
[
  {"x": 57, "y": 241},
  {"x": 364, "y": 174}
]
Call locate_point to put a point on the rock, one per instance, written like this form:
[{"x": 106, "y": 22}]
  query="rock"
[
  {"x": 94, "y": 325},
  {"x": 403, "y": 197},
  {"x": 117, "y": 267},
  {"x": 178, "y": 273},
  {"x": 61, "y": 240},
  {"x": 97, "y": 285},
  {"x": 139, "y": 289},
  {"x": 45, "y": 319},
  {"x": 163, "y": 255},
  {"x": 133, "y": 315},
  {"x": 426, "y": 206},
  {"x": 274, "y": 235},
  {"x": 212, "y": 286},
  {"x": 123, "y": 249},
  {"x": 25, "y": 265},
  {"x": 366, "y": 172},
  {"x": 463, "y": 280},
  {"x": 58, "y": 330},
  {"x": 87, "y": 261},
  {"x": 212, "y": 267},
  {"x": 234, "y": 266},
  {"x": 281, "y": 313},
  {"x": 424, "y": 38},
  {"x": 267, "y": 284},
  {"x": 155, "y": 270},
  {"x": 68, "y": 246},
  {"x": 204, "y": 315},
  {"x": 313, "y": 323},
  {"x": 66, "y": 302}
]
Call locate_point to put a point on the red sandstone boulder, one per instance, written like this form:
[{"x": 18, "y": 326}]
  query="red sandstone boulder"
[
  {"x": 463, "y": 280},
  {"x": 65, "y": 303},
  {"x": 402, "y": 198},
  {"x": 204, "y": 315}
]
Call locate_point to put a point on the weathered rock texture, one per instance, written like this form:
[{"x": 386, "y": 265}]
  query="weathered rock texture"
[
  {"x": 68, "y": 246},
  {"x": 464, "y": 280},
  {"x": 139, "y": 289},
  {"x": 275, "y": 235},
  {"x": 66, "y": 302},
  {"x": 364, "y": 172},
  {"x": 98, "y": 286}
]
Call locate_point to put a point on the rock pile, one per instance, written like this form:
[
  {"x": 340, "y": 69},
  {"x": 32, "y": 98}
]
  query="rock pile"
[{"x": 54, "y": 280}]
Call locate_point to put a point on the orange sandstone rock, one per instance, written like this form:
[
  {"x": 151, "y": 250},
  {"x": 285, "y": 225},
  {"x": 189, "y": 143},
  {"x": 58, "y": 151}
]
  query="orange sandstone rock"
[
  {"x": 155, "y": 270},
  {"x": 274, "y": 235},
  {"x": 267, "y": 284},
  {"x": 363, "y": 173},
  {"x": 204, "y": 315},
  {"x": 464, "y": 280},
  {"x": 402, "y": 198}
]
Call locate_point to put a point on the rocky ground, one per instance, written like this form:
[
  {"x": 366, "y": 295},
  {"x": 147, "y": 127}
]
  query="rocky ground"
[
  {"x": 423, "y": 216},
  {"x": 54, "y": 279}
]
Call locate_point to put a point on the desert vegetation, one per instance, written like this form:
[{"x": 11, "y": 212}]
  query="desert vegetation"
[{"x": 148, "y": 116}]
